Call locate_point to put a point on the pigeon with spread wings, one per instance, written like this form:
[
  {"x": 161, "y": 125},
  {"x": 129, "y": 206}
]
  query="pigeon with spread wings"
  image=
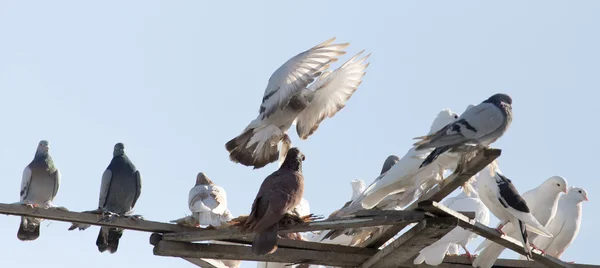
[
  {"x": 39, "y": 186},
  {"x": 477, "y": 127},
  {"x": 303, "y": 91}
]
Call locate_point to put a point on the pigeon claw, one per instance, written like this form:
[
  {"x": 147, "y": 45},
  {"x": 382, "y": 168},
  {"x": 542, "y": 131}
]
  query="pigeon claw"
[
  {"x": 134, "y": 217},
  {"x": 499, "y": 229},
  {"x": 541, "y": 250}
]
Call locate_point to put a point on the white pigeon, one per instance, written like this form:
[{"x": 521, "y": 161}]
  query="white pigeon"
[
  {"x": 291, "y": 96},
  {"x": 565, "y": 224},
  {"x": 208, "y": 202},
  {"x": 435, "y": 253},
  {"x": 405, "y": 176},
  {"x": 517, "y": 214}
]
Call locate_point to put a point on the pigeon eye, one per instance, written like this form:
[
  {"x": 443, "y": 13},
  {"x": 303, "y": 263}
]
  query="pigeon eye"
[
  {"x": 558, "y": 184},
  {"x": 579, "y": 191},
  {"x": 455, "y": 116}
]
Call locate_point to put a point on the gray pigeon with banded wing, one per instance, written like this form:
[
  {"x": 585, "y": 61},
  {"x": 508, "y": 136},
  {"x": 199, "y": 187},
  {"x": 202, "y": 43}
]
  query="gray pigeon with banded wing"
[
  {"x": 477, "y": 127},
  {"x": 39, "y": 186},
  {"x": 120, "y": 189}
]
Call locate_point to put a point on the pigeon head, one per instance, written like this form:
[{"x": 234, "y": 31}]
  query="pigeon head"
[
  {"x": 578, "y": 194},
  {"x": 358, "y": 186},
  {"x": 42, "y": 148},
  {"x": 202, "y": 179},
  {"x": 555, "y": 184},
  {"x": 444, "y": 117},
  {"x": 119, "y": 149},
  {"x": 293, "y": 159},
  {"x": 499, "y": 98},
  {"x": 390, "y": 161}
]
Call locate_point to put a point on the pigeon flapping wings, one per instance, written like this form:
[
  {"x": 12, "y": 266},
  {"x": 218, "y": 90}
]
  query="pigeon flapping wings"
[
  {"x": 297, "y": 73},
  {"x": 331, "y": 92}
]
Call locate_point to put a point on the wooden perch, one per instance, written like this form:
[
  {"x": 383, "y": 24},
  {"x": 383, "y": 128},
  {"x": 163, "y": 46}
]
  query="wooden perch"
[
  {"x": 491, "y": 234},
  {"x": 362, "y": 220},
  {"x": 457, "y": 179},
  {"x": 407, "y": 246},
  {"x": 458, "y": 261},
  {"x": 91, "y": 219},
  {"x": 231, "y": 252}
]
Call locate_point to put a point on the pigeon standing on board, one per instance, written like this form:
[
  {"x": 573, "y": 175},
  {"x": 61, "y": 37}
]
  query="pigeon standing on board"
[
  {"x": 279, "y": 193},
  {"x": 435, "y": 253},
  {"x": 504, "y": 201},
  {"x": 565, "y": 224},
  {"x": 405, "y": 177},
  {"x": 208, "y": 202},
  {"x": 119, "y": 191},
  {"x": 39, "y": 186},
  {"x": 477, "y": 127},
  {"x": 291, "y": 96}
]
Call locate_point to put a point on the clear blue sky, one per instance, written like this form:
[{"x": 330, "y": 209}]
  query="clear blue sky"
[{"x": 175, "y": 80}]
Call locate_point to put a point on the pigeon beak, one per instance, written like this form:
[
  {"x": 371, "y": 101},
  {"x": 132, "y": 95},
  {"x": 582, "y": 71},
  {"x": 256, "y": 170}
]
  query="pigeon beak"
[
  {"x": 586, "y": 199},
  {"x": 565, "y": 191}
]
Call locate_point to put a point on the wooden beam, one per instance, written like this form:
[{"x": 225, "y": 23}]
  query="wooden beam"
[
  {"x": 231, "y": 252},
  {"x": 206, "y": 263},
  {"x": 503, "y": 263},
  {"x": 396, "y": 217},
  {"x": 91, "y": 219},
  {"x": 407, "y": 246},
  {"x": 491, "y": 234},
  {"x": 472, "y": 167}
]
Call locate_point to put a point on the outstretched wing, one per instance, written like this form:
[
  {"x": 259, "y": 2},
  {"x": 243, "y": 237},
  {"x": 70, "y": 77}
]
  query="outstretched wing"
[
  {"x": 297, "y": 73},
  {"x": 332, "y": 91}
]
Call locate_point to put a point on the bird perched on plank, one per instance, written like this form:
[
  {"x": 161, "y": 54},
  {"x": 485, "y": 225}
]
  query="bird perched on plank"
[
  {"x": 208, "y": 202},
  {"x": 477, "y": 127},
  {"x": 119, "y": 191},
  {"x": 291, "y": 96},
  {"x": 279, "y": 193},
  {"x": 565, "y": 224},
  {"x": 435, "y": 253},
  {"x": 39, "y": 186},
  {"x": 514, "y": 212}
]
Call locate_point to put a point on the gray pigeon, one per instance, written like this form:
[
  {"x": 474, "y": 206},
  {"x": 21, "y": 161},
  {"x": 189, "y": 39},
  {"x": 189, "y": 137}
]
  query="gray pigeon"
[
  {"x": 120, "y": 190},
  {"x": 279, "y": 193},
  {"x": 477, "y": 127},
  {"x": 39, "y": 186}
]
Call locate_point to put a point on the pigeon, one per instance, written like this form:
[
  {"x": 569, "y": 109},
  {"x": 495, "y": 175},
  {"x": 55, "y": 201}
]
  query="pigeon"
[
  {"x": 565, "y": 224},
  {"x": 435, "y": 253},
  {"x": 208, "y": 202},
  {"x": 302, "y": 91},
  {"x": 477, "y": 127},
  {"x": 405, "y": 177},
  {"x": 120, "y": 189},
  {"x": 39, "y": 186},
  {"x": 517, "y": 214},
  {"x": 279, "y": 193}
]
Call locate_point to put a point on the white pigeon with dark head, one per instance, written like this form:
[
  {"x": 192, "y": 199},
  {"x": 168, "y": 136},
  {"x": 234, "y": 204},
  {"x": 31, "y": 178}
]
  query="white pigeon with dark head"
[
  {"x": 477, "y": 127},
  {"x": 517, "y": 214},
  {"x": 405, "y": 177},
  {"x": 434, "y": 254},
  {"x": 39, "y": 186},
  {"x": 565, "y": 224},
  {"x": 119, "y": 191},
  {"x": 208, "y": 202},
  {"x": 303, "y": 91}
]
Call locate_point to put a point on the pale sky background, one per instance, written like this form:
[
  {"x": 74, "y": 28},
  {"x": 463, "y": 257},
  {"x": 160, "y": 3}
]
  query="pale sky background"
[{"x": 175, "y": 80}]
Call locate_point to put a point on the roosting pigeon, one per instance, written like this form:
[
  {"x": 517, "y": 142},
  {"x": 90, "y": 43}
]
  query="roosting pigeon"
[
  {"x": 208, "y": 202},
  {"x": 477, "y": 127},
  {"x": 39, "y": 186},
  {"x": 288, "y": 98},
  {"x": 565, "y": 224},
  {"x": 120, "y": 189},
  {"x": 405, "y": 176},
  {"x": 279, "y": 193},
  {"x": 516, "y": 214},
  {"x": 435, "y": 253}
]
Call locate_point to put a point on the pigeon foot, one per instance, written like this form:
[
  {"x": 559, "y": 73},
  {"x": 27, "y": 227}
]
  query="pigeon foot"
[
  {"x": 499, "y": 229},
  {"x": 133, "y": 217},
  {"x": 534, "y": 247}
]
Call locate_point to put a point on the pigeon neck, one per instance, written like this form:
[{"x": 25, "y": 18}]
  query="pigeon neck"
[{"x": 292, "y": 164}]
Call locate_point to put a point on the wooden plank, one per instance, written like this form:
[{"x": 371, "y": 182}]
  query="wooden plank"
[
  {"x": 233, "y": 232},
  {"x": 297, "y": 244},
  {"x": 91, "y": 219},
  {"x": 472, "y": 167},
  {"x": 231, "y": 252},
  {"x": 206, "y": 263},
  {"x": 492, "y": 234},
  {"x": 504, "y": 263},
  {"x": 408, "y": 245}
]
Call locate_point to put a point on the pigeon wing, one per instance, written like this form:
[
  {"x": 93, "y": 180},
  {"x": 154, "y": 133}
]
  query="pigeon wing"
[
  {"x": 297, "y": 73},
  {"x": 138, "y": 189},
  {"x": 332, "y": 90},
  {"x": 56, "y": 184},
  {"x": 25, "y": 181},
  {"x": 104, "y": 187}
]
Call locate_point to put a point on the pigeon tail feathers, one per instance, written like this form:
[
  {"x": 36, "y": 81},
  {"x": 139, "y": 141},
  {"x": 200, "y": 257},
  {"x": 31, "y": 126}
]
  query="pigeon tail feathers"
[
  {"x": 432, "y": 255},
  {"x": 256, "y": 147},
  {"x": 28, "y": 231},
  {"x": 433, "y": 155},
  {"x": 265, "y": 242}
]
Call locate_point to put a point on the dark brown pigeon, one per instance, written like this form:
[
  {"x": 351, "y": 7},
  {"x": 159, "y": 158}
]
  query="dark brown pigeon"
[{"x": 279, "y": 193}]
